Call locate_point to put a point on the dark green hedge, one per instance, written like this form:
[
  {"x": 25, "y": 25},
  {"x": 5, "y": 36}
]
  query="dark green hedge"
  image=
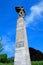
[{"x": 3, "y": 58}]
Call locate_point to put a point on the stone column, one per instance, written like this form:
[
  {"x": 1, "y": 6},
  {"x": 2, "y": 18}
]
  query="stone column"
[{"x": 22, "y": 56}]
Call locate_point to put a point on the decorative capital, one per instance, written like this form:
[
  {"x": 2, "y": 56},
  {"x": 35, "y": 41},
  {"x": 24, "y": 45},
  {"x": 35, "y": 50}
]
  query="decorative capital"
[{"x": 20, "y": 10}]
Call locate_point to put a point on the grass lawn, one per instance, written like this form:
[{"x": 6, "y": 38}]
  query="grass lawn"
[
  {"x": 33, "y": 63},
  {"x": 6, "y": 63},
  {"x": 37, "y": 62}
]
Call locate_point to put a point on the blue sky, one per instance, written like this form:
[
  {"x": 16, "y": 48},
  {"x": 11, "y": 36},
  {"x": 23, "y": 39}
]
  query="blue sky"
[{"x": 33, "y": 21}]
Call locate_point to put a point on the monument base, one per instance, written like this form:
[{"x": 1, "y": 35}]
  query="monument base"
[{"x": 21, "y": 57}]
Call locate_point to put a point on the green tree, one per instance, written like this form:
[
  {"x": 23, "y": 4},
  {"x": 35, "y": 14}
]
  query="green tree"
[{"x": 1, "y": 45}]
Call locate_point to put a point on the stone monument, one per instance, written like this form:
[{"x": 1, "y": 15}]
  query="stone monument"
[{"x": 22, "y": 56}]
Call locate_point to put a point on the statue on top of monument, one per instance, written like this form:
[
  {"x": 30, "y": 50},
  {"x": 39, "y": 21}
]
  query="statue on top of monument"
[{"x": 20, "y": 10}]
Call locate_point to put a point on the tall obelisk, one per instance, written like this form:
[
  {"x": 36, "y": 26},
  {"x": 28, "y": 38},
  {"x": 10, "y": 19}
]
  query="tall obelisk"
[{"x": 22, "y": 56}]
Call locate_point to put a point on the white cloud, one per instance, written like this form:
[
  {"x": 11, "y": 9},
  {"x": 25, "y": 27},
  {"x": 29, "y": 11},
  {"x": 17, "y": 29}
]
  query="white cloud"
[
  {"x": 9, "y": 48},
  {"x": 8, "y": 41},
  {"x": 36, "y": 11},
  {"x": 8, "y": 45}
]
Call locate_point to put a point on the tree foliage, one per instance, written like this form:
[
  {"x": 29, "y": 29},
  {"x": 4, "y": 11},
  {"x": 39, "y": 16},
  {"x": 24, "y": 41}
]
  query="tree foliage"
[
  {"x": 3, "y": 58},
  {"x": 1, "y": 45}
]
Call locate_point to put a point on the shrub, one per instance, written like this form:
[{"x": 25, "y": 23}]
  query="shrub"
[{"x": 3, "y": 58}]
